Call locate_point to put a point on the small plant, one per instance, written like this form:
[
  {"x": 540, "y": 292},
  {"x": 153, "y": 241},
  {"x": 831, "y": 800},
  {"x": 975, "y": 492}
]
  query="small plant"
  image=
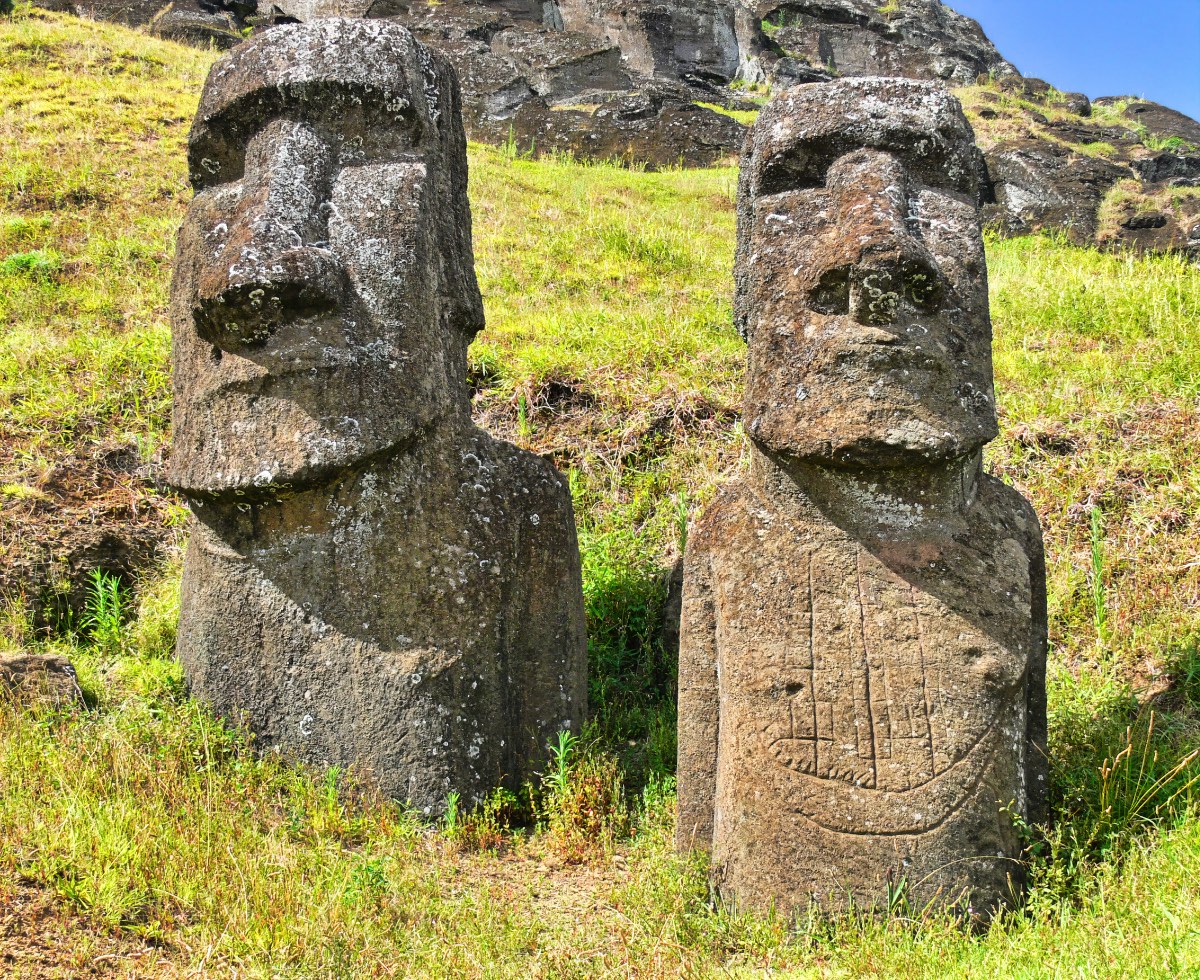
[
  {"x": 1173, "y": 144},
  {"x": 897, "y": 896},
  {"x": 584, "y": 803},
  {"x": 509, "y": 146},
  {"x": 1138, "y": 790},
  {"x": 785, "y": 19},
  {"x": 451, "y": 823},
  {"x": 512, "y": 149},
  {"x": 1098, "y": 595},
  {"x": 562, "y": 754},
  {"x": 368, "y": 883},
  {"x": 38, "y": 265},
  {"x": 1125, "y": 783},
  {"x": 104, "y": 611},
  {"x": 485, "y": 827},
  {"x": 524, "y": 429}
]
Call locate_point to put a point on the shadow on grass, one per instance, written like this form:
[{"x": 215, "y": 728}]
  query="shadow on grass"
[
  {"x": 632, "y": 665},
  {"x": 1121, "y": 769}
]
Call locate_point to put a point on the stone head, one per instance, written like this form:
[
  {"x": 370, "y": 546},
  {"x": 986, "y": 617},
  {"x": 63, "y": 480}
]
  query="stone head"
[
  {"x": 324, "y": 292},
  {"x": 861, "y": 278}
]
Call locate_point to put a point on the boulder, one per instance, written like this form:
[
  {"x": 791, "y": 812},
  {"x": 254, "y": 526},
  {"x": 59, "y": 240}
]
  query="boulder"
[
  {"x": 1173, "y": 169},
  {"x": 202, "y": 22},
  {"x": 199, "y": 26},
  {"x": 39, "y": 679}
]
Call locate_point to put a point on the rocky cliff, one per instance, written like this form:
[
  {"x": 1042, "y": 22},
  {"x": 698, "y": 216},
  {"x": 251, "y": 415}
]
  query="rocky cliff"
[{"x": 668, "y": 83}]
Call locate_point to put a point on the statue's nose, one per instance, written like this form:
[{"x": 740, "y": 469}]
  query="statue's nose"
[
  {"x": 274, "y": 264},
  {"x": 885, "y": 265}
]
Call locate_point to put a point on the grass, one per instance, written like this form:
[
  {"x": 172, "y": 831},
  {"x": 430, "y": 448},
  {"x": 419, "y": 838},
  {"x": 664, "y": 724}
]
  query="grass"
[
  {"x": 745, "y": 116},
  {"x": 610, "y": 348}
]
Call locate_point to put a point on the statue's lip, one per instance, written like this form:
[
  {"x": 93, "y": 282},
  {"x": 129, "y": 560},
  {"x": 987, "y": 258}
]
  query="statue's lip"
[{"x": 252, "y": 376}]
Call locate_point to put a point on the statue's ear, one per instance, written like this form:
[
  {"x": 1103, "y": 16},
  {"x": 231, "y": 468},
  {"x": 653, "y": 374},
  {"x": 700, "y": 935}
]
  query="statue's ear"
[
  {"x": 439, "y": 84},
  {"x": 742, "y": 307}
]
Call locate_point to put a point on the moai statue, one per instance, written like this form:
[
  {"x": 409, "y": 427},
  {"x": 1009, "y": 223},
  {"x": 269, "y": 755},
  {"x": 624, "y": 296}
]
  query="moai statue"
[
  {"x": 862, "y": 663},
  {"x": 371, "y": 579}
]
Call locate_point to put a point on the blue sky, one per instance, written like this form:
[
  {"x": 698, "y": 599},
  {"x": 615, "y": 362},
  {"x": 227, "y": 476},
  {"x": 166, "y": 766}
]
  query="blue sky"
[{"x": 1148, "y": 48}]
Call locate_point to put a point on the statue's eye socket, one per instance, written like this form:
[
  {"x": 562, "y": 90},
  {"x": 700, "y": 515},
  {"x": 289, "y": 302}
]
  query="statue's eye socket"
[
  {"x": 213, "y": 166},
  {"x": 831, "y": 295},
  {"x": 800, "y": 172}
]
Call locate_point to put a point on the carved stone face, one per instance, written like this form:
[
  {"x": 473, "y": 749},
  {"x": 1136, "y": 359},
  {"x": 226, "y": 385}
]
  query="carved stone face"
[
  {"x": 324, "y": 290},
  {"x": 861, "y": 279}
]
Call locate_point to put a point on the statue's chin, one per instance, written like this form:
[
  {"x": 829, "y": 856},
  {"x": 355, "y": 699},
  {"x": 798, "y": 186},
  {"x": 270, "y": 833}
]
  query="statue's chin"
[{"x": 908, "y": 442}]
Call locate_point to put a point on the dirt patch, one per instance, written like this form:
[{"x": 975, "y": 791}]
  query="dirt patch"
[
  {"x": 41, "y": 940},
  {"x": 97, "y": 508}
]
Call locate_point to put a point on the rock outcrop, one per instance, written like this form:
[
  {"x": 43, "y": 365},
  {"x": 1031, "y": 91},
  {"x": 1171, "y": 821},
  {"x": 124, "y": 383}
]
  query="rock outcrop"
[
  {"x": 222, "y": 23},
  {"x": 39, "y": 679},
  {"x": 371, "y": 580},
  {"x": 1115, "y": 172},
  {"x": 633, "y": 81},
  {"x": 863, "y": 642},
  {"x": 636, "y": 81},
  {"x": 534, "y": 81},
  {"x": 922, "y": 39}
]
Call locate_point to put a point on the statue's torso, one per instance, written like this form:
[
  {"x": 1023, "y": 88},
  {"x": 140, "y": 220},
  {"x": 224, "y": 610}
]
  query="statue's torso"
[
  {"x": 872, "y": 692},
  {"x": 418, "y": 618}
]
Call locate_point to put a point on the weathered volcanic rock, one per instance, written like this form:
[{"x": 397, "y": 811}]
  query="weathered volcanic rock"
[
  {"x": 919, "y": 39},
  {"x": 1174, "y": 169},
  {"x": 652, "y": 126},
  {"x": 39, "y": 679},
  {"x": 527, "y": 80},
  {"x": 1102, "y": 182},
  {"x": 673, "y": 40},
  {"x": 863, "y": 642},
  {"x": 1038, "y": 184},
  {"x": 1161, "y": 123},
  {"x": 1173, "y": 227},
  {"x": 370, "y": 580}
]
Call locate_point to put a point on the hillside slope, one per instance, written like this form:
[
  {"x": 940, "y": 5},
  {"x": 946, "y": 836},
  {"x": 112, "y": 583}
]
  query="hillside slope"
[
  {"x": 139, "y": 825},
  {"x": 668, "y": 84}
]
